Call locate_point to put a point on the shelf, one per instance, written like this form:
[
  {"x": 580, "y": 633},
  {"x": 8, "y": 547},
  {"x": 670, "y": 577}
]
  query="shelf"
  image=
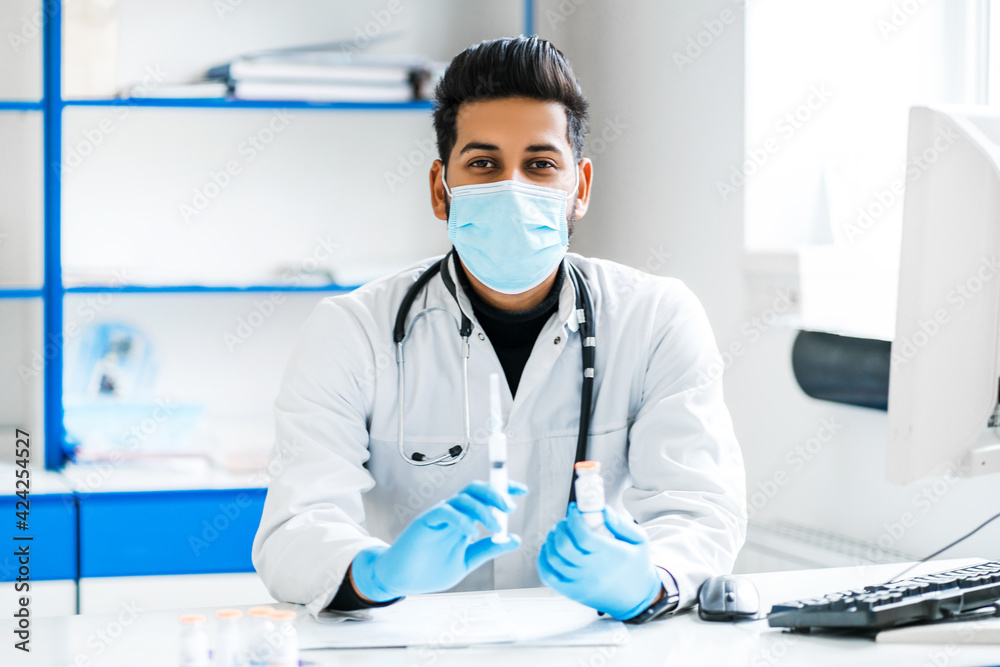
[
  {"x": 186, "y": 289},
  {"x": 229, "y": 103},
  {"x": 6, "y": 105},
  {"x": 20, "y": 292}
]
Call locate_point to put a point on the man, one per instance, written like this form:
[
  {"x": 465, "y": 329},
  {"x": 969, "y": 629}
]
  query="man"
[{"x": 357, "y": 521}]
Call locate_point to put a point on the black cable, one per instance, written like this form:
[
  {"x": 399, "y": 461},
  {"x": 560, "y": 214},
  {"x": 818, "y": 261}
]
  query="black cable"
[{"x": 941, "y": 551}]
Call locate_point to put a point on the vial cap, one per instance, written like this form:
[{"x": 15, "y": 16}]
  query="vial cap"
[
  {"x": 260, "y": 611},
  {"x": 284, "y": 615},
  {"x": 587, "y": 465},
  {"x": 192, "y": 618},
  {"x": 228, "y": 613}
]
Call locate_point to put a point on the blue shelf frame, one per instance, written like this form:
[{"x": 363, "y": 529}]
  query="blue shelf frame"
[
  {"x": 52, "y": 287},
  {"x": 17, "y": 105},
  {"x": 21, "y": 292},
  {"x": 52, "y": 291},
  {"x": 232, "y": 103},
  {"x": 207, "y": 289}
]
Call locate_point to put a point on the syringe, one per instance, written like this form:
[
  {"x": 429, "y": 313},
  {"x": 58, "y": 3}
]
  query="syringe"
[{"x": 498, "y": 457}]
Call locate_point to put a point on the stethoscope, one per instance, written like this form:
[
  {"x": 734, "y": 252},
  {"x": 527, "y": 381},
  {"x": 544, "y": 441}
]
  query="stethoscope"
[{"x": 585, "y": 317}]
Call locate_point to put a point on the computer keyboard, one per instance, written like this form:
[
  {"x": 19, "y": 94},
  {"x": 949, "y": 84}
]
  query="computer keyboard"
[{"x": 943, "y": 596}]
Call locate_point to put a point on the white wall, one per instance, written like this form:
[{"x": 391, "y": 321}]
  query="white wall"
[{"x": 655, "y": 187}]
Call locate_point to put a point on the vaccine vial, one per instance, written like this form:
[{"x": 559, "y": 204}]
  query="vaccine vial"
[
  {"x": 497, "y": 450},
  {"x": 286, "y": 649},
  {"x": 260, "y": 636},
  {"x": 228, "y": 639},
  {"x": 194, "y": 641},
  {"x": 589, "y": 487}
]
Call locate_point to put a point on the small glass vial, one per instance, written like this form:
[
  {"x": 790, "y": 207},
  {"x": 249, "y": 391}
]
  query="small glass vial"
[
  {"x": 228, "y": 639},
  {"x": 259, "y": 649},
  {"x": 194, "y": 641},
  {"x": 589, "y": 487},
  {"x": 286, "y": 648}
]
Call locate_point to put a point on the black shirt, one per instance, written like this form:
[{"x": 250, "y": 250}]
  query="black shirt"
[{"x": 513, "y": 333}]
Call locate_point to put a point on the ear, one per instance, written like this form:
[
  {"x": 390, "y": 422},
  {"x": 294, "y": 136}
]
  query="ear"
[
  {"x": 438, "y": 196},
  {"x": 586, "y": 171}
]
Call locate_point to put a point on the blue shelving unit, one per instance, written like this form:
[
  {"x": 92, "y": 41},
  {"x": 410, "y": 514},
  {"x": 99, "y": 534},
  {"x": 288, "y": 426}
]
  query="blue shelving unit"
[
  {"x": 53, "y": 291},
  {"x": 207, "y": 289},
  {"x": 231, "y": 103},
  {"x": 132, "y": 533}
]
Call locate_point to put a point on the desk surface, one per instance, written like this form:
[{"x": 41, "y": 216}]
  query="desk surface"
[{"x": 151, "y": 639}]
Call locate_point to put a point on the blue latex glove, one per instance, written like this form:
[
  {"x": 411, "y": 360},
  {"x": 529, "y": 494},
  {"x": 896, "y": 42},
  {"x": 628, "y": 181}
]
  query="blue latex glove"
[
  {"x": 439, "y": 547},
  {"x": 611, "y": 573}
]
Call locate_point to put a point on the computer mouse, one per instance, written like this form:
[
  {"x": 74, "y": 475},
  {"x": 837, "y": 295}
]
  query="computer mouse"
[{"x": 728, "y": 597}]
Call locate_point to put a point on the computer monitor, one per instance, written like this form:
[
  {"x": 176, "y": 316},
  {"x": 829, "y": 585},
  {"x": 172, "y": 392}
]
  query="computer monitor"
[{"x": 944, "y": 380}]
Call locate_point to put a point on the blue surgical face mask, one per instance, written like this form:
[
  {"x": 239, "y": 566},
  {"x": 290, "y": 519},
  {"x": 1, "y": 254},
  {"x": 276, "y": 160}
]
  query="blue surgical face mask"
[{"x": 510, "y": 235}]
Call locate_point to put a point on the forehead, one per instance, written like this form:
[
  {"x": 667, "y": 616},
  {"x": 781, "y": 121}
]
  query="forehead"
[{"x": 512, "y": 123}]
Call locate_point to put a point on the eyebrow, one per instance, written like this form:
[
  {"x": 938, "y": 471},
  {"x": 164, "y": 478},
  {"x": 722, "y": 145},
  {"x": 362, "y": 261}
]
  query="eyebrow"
[{"x": 481, "y": 146}]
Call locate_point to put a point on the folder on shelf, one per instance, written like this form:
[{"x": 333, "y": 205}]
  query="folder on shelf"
[
  {"x": 321, "y": 92},
  {"x": 194, "y": 90},
  {"x": 327, "y": 73}
]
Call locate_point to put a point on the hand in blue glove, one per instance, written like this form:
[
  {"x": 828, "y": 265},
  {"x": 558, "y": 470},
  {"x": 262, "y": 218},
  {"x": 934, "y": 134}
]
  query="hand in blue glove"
[
  {"x": 611, "y": 573},
  {"x": 436, "y": 551}
]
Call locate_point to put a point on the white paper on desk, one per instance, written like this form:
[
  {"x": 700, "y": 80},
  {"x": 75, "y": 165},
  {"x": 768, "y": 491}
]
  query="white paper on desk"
[
  {"x": 556, "y": 621},
  {"x": 454, "y": 621}
]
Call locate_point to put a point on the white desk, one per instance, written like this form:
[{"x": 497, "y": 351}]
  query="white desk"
[{"x": 151, "y": 639}]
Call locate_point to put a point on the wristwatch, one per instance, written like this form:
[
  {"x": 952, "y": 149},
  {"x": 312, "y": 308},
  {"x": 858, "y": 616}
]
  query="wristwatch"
[{"x": 667, "y": 602}]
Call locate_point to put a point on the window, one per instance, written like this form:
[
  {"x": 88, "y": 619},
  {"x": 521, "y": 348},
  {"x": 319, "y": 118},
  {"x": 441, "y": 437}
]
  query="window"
[{"x": 829, "y": 86}]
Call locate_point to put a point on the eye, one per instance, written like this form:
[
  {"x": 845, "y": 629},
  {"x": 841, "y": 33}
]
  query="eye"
[
  {"x": 541, "y": 164},
  {"x": 482, "y": 163}
]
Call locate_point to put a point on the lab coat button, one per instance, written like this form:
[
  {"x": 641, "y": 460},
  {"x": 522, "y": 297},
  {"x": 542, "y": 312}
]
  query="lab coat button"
[
  {"x": 482, "y": 336},
  {"x": 557, "y": 340}
]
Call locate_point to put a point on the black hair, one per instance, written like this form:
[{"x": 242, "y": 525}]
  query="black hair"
[{"x": 520, "y": 66}]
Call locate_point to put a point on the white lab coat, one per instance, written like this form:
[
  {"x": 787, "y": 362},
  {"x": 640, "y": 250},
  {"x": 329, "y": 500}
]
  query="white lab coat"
[{"x": 660, "y": 430}]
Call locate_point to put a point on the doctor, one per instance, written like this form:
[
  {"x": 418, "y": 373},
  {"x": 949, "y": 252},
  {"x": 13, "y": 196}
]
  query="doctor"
[{"x": 383, "y": 412}]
